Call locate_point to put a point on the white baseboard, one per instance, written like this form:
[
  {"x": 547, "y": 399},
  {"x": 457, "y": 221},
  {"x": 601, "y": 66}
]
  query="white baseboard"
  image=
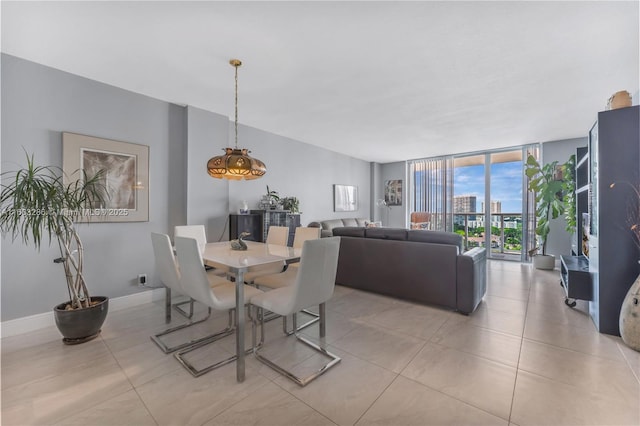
[{"x": 39, "y": 321}]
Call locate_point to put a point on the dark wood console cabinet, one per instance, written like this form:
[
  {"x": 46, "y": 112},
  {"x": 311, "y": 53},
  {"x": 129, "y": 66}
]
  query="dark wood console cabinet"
[
  {"x": 278, "y": 218},
  {"x": 251, "y": 223}
]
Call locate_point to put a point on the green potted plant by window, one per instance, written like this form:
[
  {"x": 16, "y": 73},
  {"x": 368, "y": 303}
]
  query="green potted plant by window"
[
  {"x": 569, "y": 192},
  {"x": 36, "y": 203},
  {"x": 548, "y": 190}
]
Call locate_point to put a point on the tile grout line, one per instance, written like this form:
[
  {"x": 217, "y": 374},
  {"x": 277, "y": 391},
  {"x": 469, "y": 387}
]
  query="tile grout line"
[
  {"x": 515, "y": 381},
  {"x": 628, "y": 363},
  {"x": 397, "y": 375},
  {"x": 298, "y": 399},
  {"x": 133, "y": 387}
]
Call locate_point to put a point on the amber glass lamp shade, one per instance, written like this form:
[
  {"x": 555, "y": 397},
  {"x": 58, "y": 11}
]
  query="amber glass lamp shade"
[{"x": 236, "y": 164}]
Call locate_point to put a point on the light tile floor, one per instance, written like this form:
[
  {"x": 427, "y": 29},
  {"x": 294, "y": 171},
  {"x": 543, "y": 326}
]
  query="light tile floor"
[{"x": 523, "y": 358}]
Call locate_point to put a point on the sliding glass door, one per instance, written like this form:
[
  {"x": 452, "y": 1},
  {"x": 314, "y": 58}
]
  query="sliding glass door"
[
  {"x": 505, "y": 205},
  {"x": 482, "y": 196},
  {"x": 468, "y": 199}
]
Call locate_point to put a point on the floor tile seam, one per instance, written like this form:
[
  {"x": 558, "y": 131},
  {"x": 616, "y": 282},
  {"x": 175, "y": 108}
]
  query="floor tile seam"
[
  {"x": 331, "y": 347},
  {"x": 519, "y": 336},
  {"x": 563, "y": 324},
  {"x": 594, "y": 393},
  {"x": 124, "y": 373},
  {"x": 392, "y": 330},
  {"x": 412, "y": 358},
  {"x": 229, "y": 407},
  {"x": 502, "y": 311},
  {"x": 540, "y": 342},
  {"x": 376, "y": 398},
  {"x": 110, "y": 399},
  {"x": 488, "y": 306},
  {"x": 488, "y": 293},
  {"x": 44, "y": 378},
  {"x": 493, "y": 361},
  {"x": 502, "y": 333},
  {"x": 515, "y": 381},
  {"x": 628, "y": 362},
  {"x": 171, "y": 354},
  {"x": 467, "y": 403},
  {"x": 567, "y": 383},
  {"x": 529, "y": 339},
  {"x": 274, "y": 381}
]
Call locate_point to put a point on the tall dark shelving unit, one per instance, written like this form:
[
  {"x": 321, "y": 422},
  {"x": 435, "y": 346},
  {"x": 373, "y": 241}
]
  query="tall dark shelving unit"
[{"x": 614, "y": 154}]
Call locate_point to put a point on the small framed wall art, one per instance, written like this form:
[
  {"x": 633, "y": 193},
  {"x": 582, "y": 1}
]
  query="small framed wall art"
[
  {"x": 393, "y": 192},
  {"x": 345, "y": 198}
]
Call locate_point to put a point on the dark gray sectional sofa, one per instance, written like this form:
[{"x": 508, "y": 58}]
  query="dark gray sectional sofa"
[{"x": 416, "y": 265}]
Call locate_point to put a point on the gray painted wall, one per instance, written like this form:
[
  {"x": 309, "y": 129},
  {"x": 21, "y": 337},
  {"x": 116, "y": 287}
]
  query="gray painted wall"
[
  {"x": 207, "y": 200},
  {"x": 39, "y": 103},
  {"x": 559, "y": 240},
  {"x": 300, "y": 170}
]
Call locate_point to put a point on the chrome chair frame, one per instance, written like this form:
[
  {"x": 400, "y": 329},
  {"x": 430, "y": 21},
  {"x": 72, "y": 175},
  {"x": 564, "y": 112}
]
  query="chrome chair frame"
[
  {"x": 196, "y": 284},
  {"x": 200, "y": 340},
  {"x": 301, "y": 381},
  {"x": 314, "y": 284},
  {"x": 170, "y": 278}
]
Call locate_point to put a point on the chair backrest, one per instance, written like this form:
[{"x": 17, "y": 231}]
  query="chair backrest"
[
  {"x": 316, "y": 276},
  {"x": 193, "y": 277},
  {"x": 303, "y": 234},
  {"x": 192, "y": 231},
  {"x": 278, "y": 235},
  {"x": 165, "y": 261}
]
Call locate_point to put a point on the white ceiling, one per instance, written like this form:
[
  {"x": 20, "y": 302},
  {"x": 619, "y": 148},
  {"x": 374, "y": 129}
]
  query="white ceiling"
[{"x": 380, "y": 81}]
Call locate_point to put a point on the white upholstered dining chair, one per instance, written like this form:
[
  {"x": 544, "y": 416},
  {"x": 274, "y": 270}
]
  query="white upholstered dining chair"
[
  {"x": 314, "y": 285},
  {"x": 278, "y": 235},
  {"x": 169, "y": 274},
  {"x": 195, "y": 283},
  {"x": 288, "y": 277},
  {"x": 200, "y": 234}
]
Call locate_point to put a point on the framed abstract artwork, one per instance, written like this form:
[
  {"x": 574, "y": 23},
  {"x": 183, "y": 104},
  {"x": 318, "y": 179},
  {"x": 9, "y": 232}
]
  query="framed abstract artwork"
[
  {"x": 125, "y": 178},
  {"x": 345, "y": 198}
]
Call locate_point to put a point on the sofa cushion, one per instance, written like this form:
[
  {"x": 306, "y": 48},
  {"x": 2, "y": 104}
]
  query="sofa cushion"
[
  {"x": 328, "y": 225},
  {"x": 387, "y": 233},
  {"x": 436, "y": 237},
  {"x": 349, "y": 222},
  {"x": 349, "y": 231},
  {"x": 362, "y": 221}
]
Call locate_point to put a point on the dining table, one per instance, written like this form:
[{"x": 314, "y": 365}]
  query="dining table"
[{"x": 238, "y": 262}]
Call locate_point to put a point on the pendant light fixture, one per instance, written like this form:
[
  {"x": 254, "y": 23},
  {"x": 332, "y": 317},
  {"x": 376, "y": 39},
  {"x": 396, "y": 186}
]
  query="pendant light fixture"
[{"x": 236, "y": 164}]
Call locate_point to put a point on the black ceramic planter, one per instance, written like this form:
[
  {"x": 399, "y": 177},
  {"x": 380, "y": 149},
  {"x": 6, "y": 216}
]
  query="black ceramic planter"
[{"x": 81, "y": 325}]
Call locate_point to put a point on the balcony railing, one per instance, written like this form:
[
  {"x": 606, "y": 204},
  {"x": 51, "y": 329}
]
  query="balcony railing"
[{"x": 505, "y": 228}]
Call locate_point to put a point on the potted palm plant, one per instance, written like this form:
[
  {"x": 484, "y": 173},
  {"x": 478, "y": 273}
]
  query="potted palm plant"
[
  {"x": 548, "y": 189},
  {"x": 37, "y": 204}
]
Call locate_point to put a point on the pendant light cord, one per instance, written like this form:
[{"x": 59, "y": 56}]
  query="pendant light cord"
[{"x": 236, "y": 67}]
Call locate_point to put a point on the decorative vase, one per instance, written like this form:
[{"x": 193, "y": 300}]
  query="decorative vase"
[{"x": 630, "y": 317}]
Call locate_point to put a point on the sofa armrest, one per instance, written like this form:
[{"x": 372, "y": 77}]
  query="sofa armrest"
[{"x": 471, "y": 279}]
